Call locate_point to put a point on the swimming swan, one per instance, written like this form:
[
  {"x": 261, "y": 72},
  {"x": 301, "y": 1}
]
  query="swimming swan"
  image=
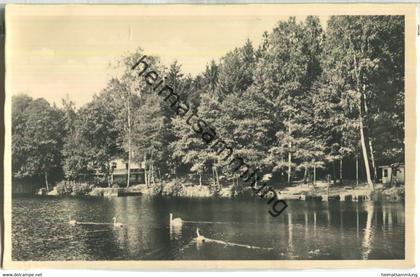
[
  {"x": 199, "y": 237},
  {"x": 72, "y": 221},
  {"x": 117, "y": 224},
  {"x": 174, "y": 221}
]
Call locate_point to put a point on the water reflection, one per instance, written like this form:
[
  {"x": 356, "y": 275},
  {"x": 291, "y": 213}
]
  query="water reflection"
[
  {"x": 357, "y": 221},
  {"x": 368, "y": 232},
  {"x": 308, "y": 230},
  {"x": 290, "y": 238},
  {"x": 175, "y": 231}
]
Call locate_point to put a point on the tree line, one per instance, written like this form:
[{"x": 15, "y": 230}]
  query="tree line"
[{"x": 305, "y": 103}]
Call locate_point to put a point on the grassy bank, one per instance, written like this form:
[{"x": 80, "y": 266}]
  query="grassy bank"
[{"x": 171, "y": 188}]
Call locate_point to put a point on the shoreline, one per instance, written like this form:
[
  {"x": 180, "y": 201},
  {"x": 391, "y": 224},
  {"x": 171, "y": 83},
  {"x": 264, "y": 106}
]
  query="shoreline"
[{"x": 321, "y": 191}]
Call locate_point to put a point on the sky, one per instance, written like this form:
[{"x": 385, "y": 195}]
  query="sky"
[{"x": 62, "y": 52}]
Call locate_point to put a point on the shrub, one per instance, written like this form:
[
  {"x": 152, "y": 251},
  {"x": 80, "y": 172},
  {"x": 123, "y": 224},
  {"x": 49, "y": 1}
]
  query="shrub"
[
  {"x": 71, "y": 188},
  {"x": 63, "y": 188},
  {"x": 173, "y": 188},
  {"x": 97, "y": 192},
  {"x": 81, "y": 189}
]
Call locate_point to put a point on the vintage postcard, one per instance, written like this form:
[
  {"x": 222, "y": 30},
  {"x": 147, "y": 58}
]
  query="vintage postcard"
[{"x": 209, "y": 136}]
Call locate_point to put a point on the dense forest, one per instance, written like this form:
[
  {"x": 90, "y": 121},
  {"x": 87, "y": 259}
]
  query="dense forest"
[{"x": 306, "y": 103}]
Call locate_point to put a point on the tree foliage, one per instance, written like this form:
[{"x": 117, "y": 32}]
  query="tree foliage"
[{"x": 294, "y": 105}]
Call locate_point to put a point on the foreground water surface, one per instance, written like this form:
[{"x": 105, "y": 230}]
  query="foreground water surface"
[{"x": 306, "y": 230}]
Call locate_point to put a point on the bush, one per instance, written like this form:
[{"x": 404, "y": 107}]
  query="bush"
[
  {"x": 156, "y": 189},
  {"x": 71, "y": 188},
  {"x": 174, "y": 188},
  {"x": 81, "y": 189},
  {"x": 63, "y": 188},
  {"x": 242, "y": 191},
  {"x": 196, "y": 191},
  {"x": 97, "y": 192}
]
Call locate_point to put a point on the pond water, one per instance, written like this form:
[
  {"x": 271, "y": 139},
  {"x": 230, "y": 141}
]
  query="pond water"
[{"x": 306, "y": 230}]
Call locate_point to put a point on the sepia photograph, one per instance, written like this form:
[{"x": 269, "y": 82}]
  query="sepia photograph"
[{"x": 268, "y": 135}]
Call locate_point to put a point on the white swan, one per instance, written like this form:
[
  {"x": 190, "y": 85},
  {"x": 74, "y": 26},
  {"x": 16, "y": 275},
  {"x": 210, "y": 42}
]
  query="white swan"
[
  {"x": 72, "y": 221},
  {"x": 174, "y": 221},
  {"x": 117, "y": 224},
  {"x": 199, "y": 237}
]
